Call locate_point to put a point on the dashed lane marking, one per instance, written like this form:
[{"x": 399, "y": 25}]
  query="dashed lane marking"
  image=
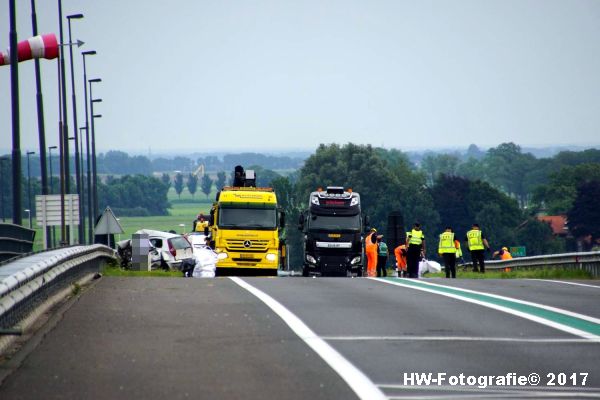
[{"x": 358, "y": 381}]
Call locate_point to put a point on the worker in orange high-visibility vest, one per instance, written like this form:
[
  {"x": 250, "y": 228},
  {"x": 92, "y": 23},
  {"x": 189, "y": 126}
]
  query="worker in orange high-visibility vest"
[
  {"x": 503, "y": 253},
  {"x": 371, "y": 252},
  {"x": 400, "y": 253}
]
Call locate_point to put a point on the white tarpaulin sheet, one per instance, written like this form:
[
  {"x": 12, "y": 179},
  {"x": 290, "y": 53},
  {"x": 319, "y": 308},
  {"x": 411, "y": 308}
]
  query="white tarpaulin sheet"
[
  {"x": 429, "y": 266},
  {"x": 206, "y": 263}
]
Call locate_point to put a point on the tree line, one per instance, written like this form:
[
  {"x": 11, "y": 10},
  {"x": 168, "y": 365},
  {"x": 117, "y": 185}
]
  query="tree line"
[
  {"x": 494, "y": 190},
  {"x": 120, "y": 163},
  {"x": 502, "y": 189}
]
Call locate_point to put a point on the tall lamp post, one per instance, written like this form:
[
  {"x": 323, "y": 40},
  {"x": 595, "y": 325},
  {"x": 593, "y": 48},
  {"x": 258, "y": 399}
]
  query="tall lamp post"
[
  {"x": 94, "y": 170},
  {"x": 94, "y": 116},
  {"x": 40, "y": 115},
  {"x": 2, "y": 175},
  {"x": 82, "y": 193},
  {"x": 29, "y": 185},
  {"x": 65, "y": 129},
  {"x": 16, "y": 126},
  {"x": 50, "y": 166},
  {"x": 75, "y": 135},
  {"x": 87, "y": 146},
  {"x": 53, "y": 235}
]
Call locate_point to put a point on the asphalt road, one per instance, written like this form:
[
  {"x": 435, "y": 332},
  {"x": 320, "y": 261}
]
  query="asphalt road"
[{"x": 334, "y": 338}]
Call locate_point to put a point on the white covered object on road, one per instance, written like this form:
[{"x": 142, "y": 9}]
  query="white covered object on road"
[
  {"x": 429, "y": 266},
  {"x": 206, "y": 263}
]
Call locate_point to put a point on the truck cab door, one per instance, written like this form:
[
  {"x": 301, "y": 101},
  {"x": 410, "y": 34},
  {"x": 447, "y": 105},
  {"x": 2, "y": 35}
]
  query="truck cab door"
[{"x": 366, "y": 224}]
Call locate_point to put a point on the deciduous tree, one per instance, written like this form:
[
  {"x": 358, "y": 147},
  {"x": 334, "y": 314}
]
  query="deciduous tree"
[
  {"x": 206, "y": 185},
  {"x": 221, "y": 178},
  {"x": 192, "y": 184},
  {"x": 178, "y": 184},
  {"x": 584, "y": 217}
]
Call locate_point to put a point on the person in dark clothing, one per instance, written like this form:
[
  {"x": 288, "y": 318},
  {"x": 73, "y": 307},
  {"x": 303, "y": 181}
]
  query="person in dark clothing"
[
  {"x": 238, "y": 176},
  {"x": 447, "y": 249},
  {"x": 477, "y": 244},
  {"x": 382, "y": 256},
  {"x": 415, "y": 241}
]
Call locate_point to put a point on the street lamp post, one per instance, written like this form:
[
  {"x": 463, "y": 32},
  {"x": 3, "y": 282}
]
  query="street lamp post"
[
  {"x": 29, "y": 185},
  {"x": 63, "y": 91},
  {"x": 28, "y": 211},
  {"x": 87, "y": 146},
  {"x": 2, "y": 175},
  {"x": 40, "y": 115},
  {"x": 94, "y": 170},
  {"x": 50, "y": 166},
  {"x": 94, "y": 116},
  {"x": 75, "y": 135},
  {"x": 82, "y": 193},
  {"x": 53, "y": 234},
  {"x": 16, "y": 126}
]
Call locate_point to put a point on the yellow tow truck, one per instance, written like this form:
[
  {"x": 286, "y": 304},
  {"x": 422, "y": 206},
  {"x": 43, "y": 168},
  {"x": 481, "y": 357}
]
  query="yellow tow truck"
[{"x": 245, "y": 228}]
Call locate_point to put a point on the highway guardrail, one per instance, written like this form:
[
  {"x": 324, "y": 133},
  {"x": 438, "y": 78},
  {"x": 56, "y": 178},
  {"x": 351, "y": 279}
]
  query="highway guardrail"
[
  {"x": 588, "y": 261},
  {"x": 28, "y": 281}
]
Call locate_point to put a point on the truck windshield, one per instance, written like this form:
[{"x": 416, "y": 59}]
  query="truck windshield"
[
  {"x": 334, "y": 223},
  {"x": 248, "y": 218}
]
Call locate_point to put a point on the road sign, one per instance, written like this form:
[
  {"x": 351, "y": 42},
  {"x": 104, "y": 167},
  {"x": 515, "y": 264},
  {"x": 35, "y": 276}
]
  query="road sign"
[
  {"x": 108, "y": 224},
  {"x": 518, "y": 251},
  {"x": 49, "y": 212},
  {"x": 48, "y": 209}
]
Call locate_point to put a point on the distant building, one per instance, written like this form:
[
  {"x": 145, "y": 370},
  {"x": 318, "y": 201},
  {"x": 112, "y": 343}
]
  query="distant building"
[{"x": 558, "y": 224}]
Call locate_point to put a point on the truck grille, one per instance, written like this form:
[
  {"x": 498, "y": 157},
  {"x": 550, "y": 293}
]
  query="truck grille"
[
  {"x": 333, "y": 265},
  {"x": 247, "y": 262},
  {"x": 255, "y": 245}
]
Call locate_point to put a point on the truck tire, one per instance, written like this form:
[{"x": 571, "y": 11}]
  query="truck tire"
[{"x": 305, "y": 271}]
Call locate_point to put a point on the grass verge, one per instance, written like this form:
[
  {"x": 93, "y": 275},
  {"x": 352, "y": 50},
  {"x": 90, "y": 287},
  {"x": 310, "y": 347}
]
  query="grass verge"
[
  {"x": 113, "y": 270},
  {"x": 544, "y": 273}
]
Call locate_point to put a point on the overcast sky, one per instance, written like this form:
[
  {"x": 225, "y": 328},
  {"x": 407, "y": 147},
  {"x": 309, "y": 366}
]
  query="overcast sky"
[{"x": 195, "y": 75}]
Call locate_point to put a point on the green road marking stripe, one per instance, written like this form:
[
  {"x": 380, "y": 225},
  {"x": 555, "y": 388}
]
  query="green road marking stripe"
[{"x": 553, "y": 316}]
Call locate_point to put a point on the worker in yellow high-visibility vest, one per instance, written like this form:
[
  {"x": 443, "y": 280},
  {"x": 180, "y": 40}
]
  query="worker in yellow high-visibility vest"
[
  {"x": 477, "y": 244},
  {"x": 447, "y": 249},
  {"x": 415, "y": 242}
]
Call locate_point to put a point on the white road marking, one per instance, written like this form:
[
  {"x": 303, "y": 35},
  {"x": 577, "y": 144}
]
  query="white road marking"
[
  {"x": 567, "y": 283},
  {"x": 409, "y": 338},
  {"x": 358, "y": 381},
  {"x": 531, "y": 317}
]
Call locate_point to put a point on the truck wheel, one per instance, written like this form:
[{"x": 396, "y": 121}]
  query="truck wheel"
[{"x": 359, "y": 272}]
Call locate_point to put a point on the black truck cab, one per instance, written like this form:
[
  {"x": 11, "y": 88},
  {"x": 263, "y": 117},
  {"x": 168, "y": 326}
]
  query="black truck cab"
[{"x": 333, "y": 226}]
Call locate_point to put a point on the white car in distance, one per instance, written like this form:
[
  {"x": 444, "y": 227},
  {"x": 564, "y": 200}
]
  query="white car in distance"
[{"x": 171, "y": 249}]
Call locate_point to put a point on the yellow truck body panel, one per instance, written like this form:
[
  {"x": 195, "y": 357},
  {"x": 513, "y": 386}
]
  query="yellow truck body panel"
[{"x": 245, "y": 229}]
